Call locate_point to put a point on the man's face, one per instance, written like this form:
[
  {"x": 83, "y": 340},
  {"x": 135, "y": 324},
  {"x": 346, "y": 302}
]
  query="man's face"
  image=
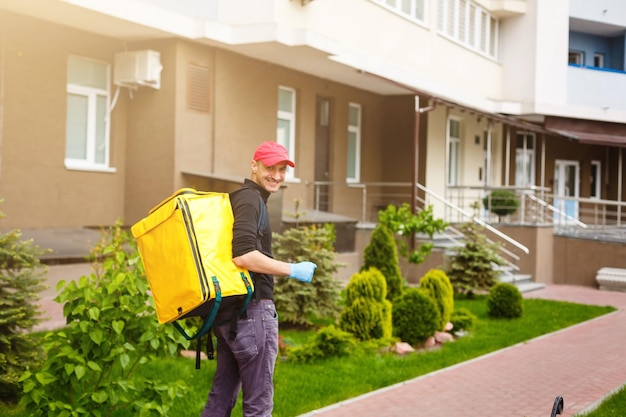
[{"x": 270, "y": 178}]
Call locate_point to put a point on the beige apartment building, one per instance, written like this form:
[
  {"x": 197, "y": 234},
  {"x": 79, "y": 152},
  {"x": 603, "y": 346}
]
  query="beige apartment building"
[{"x": 106, "y": 109}]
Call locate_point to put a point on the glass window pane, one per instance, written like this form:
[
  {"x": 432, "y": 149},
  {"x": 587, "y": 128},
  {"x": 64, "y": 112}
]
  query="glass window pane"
[
  {"x": 285, "y": 100},
  {"x": 282, "y": 135},
  {"x": 406, "y": 6},
  {"x": 419, "y": 9},
  {"x": 455, "y": 129},
  {"x": 76, "y": 134},
  {"x": 87, "y": 73},
  {"x": 353, "y": 116},
  {"x": 352, "y": 150},
  {"x": 101, "y": 145}
]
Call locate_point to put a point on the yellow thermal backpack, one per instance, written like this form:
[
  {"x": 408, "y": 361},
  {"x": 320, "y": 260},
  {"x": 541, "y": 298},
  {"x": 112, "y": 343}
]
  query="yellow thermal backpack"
[{"x": 185, "y": 244}]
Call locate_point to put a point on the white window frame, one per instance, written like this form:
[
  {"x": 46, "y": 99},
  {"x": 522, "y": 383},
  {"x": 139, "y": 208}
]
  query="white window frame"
[
  {"x": 453, "y": 153},
  {"x": 525, "y": 169},
  {"x": 354, "y": 155},
  {"x": 480, "y": 29},
  {"x": 598, "y": 180},
  {"x": 91, "y": 94},
  {"x": 416, "y": 7},
  {"x": 287, "y": 138}
]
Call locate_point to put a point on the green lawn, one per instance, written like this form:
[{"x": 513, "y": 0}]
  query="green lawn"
[{"x": 304, "y": 387}]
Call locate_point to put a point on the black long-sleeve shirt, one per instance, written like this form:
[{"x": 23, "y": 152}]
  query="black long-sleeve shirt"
[{"x": 252, "y": 230}]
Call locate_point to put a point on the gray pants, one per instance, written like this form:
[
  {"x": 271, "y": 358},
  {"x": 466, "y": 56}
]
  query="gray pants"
[{"x": 247, "y": 363}]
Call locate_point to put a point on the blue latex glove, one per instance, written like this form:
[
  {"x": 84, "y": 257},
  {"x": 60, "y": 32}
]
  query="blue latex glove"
[{"x": 302, "y": 271}]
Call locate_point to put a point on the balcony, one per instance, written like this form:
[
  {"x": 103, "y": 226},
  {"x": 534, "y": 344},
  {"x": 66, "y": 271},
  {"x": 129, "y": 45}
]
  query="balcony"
[{"x": 596, "y": 87}]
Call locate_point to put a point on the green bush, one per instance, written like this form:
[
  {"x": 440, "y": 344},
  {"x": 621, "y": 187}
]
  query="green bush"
[
  {"x": 367, "y": 313},
  {"x": 501, "y": 202},
  {"x": 326, "y": 343},
  {"x": 297, "y": 302},
  {"x": 436, "y": 284},
  {"x": 415, "y": 316},
  {"x": 505, "y": 301},
  {"x": 463, "y": 319},
  {"x": 21, "y": 279},
  {"x": 473, "y": 266},
  {"x": 112, "y": 329},
  {"x": 381, "y": 253}
]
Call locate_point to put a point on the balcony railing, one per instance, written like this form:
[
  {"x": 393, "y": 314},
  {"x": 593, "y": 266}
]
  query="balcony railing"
[{"x": 537, "y": 206}]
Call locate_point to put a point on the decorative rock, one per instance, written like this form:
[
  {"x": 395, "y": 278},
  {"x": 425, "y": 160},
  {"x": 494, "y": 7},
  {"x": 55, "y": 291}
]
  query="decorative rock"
[
  {"x": 443, "y": 337},
  {"x": 430, "y": 343},
  {"x": 449, "y": 326},
  {"x": 402, "y": 348}
]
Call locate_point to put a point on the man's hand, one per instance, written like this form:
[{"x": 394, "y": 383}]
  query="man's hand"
[{"x": 302, "y": 271}]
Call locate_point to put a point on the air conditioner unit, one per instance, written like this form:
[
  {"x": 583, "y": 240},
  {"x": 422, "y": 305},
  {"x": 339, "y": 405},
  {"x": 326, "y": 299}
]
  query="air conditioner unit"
[{"x": 138, "y": 68}]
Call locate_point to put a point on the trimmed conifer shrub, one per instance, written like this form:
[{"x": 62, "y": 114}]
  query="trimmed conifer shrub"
[
  {"x": 297, "y": 302},
  {"x": 436, "y": 284},
  {"x": 473, "y": 266},
  {"x": 381, "y": 253},
  {"x": 415, "y": 316},
  {"x": 505, "y": 301},
  {"x": 367, "y": 313},
  {"x": 21, "y": 280}
]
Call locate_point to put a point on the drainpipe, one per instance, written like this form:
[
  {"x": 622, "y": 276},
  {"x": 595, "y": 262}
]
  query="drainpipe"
[
  {"x": 416, "y": 142},
  {"x": 619, "y": 187},
  {"x": 507, "y": 159}
]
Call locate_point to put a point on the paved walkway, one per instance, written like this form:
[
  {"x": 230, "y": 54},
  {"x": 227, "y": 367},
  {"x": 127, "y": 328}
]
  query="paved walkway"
[{"x": 583, "y": 364}]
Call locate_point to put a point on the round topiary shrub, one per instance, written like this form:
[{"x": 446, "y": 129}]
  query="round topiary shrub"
[
  {"x": 501, "y": 202},
  {"x": 463, "y": 319},
  {"x": 436, "y": 284},
  {"x": 415, "y": 316},
  {"x": 505, "y": 301}
]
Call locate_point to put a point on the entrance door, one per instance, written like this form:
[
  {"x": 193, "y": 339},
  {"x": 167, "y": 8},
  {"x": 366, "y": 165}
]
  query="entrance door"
[
  {"x": 322, "y": 153},
  {"x": 566, "y": 189}
]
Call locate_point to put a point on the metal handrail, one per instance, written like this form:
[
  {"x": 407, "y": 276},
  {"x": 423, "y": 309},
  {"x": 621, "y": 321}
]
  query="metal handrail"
[{"x": 475, "y": 219}]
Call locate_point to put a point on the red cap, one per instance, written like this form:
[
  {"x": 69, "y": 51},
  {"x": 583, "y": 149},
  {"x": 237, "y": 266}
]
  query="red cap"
[{"x": 272, "y": 153}]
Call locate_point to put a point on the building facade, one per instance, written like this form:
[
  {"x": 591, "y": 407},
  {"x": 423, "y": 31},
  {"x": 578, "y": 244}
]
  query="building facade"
[{"x": 108, "y": 107}]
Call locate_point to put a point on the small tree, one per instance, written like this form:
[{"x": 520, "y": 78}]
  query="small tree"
[
  {"x": 367, "y": 313},
  {"x": 111, "y": 330},
  {"x": 21, "y": 279},
  {"x": 472, "y": 267},
  {"x": 381, "y": 253},
  {"x": 297, "y": 301},
  {"x": 401, "y": 220},
  {"x": 501, "y": 203}
]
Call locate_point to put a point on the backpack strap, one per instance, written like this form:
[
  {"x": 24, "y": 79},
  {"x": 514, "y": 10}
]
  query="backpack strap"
[{"x": 260, "y": 228}]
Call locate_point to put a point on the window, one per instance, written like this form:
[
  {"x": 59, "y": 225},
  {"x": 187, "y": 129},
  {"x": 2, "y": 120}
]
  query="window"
[
  {"x": 598, "y": 60},
  {"x": 454, "y": 150},
  {"x": 87, "y": 119},
  {"x": 525, "y": 159},
  {"x": 576, "y": 57},
  {"x": 354, "y": 143},
  {"x": 468, "y": 24},
  {"x": 412, "y": 9},
  {"x": 286, "y": 132},
  {"x": 595, "y": 180}
]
